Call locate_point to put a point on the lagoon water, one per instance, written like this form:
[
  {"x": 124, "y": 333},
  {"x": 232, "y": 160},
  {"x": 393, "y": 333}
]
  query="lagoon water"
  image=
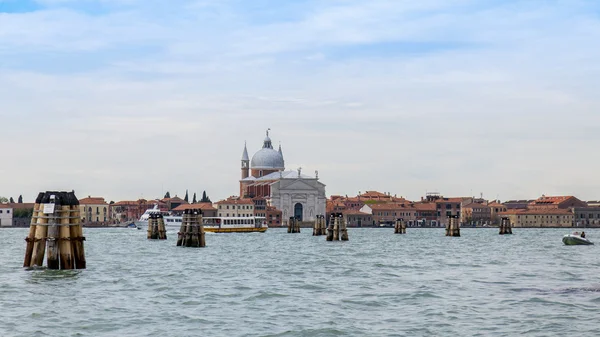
[{"x": 279, "y": 284}]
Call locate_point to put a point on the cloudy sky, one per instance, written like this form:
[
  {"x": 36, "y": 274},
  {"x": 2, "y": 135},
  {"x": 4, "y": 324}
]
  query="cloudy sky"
[{"x": 133, "y": 98}]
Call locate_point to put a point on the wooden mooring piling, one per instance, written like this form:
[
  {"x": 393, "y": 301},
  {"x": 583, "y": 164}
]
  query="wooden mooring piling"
[
  {"x": 55, "y": 227},
  {"x": 453, "y": 226},
  {"x": 156, "y": 227},
  {"x": 293, "y": 225},
  {"x": 191, "y": 233},
  {"x": 505, "y": 226},
  {"x": 400, "y": 227},
  {"x": 320, "y": 227},
  {"x": 337, "y": 230}
]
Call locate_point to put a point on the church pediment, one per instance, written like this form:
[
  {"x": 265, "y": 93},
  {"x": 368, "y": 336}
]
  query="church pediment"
[{"x": 297, "y": 185}]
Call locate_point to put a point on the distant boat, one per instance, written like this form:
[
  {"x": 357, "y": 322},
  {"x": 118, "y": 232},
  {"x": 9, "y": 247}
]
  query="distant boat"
[
  {"x": 575, "y": 239},
  {"x": 131, "y": 225},
  {"x": 170, "y": 220},
  {"x": 211, "y": 224}
]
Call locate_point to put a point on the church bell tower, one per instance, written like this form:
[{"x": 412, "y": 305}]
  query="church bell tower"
[{"x": 245, "y": 163}]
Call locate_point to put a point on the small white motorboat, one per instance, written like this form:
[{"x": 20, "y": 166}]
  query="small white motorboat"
[{"x": 575, "y": 239}]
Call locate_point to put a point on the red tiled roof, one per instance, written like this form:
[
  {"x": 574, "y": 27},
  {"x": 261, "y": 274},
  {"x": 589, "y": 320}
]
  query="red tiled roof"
[
  {"x": 5, "y": 206},
  {"x": 392, "y": 206},
  {"x": 235, "y": 202},
  {"x": 459, "y": 199},
  {"x": 374, "y": 194},
  {"x": 92, "y": 201},
  {"x": 552, "y": 200},
  {"x": 202, "y": 206},
  {"x": 354, "y": 212},
  {"x": 425, "y": 206},
  {"x": 476, "y": 205},
  {"x": 551, "y": 211},
  {"x": 24, "y": 205}
]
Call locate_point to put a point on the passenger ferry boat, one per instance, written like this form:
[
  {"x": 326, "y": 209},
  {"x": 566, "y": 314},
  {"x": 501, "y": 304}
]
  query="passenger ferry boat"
[
  {"x": 211, "y": 224},
  {"x": 234, "y": 224},
  {"x": 170, "y": 220}
]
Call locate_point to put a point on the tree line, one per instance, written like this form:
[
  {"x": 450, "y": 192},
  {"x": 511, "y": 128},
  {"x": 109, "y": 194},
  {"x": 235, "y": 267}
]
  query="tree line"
[
  {"x": 11, "y": 200},
  {"x": 205, "y": 198}
]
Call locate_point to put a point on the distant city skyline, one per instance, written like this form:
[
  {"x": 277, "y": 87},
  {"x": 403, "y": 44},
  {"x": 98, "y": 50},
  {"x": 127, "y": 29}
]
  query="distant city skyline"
[{"x": 126, "y": 99}]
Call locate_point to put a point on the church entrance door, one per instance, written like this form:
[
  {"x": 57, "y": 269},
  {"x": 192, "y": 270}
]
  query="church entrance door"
[{"x": 298, "y": 211}]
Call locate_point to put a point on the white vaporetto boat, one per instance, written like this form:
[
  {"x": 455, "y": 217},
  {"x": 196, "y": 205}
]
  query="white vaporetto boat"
[
  {"x": 235, "y": 224},
  {"x": 575, "y": 239},
  {"x": 211, "y": 224},
  {"x": 170, "y": 220}
]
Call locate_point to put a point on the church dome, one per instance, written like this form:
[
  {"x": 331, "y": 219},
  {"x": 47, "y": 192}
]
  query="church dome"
[{"x": 268, "y": 158}]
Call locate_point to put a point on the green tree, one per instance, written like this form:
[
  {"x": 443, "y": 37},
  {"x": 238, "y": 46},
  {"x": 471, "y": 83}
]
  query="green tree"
[
  {"x": 204, "y": 197},
  {"x": 12, "y": 201},
  {"x": 167, "y": 195},
  {"x": 194, "y": 199},
  {"x": 20, "y": 200},
  {"x": 23, "y": 213},
  {"x": 186, "y": 196},
  {"x": 3, "y": 200}
]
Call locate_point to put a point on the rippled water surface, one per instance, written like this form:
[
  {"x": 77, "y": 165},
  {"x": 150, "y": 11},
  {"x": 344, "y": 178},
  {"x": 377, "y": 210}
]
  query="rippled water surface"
[{"x": 279, "y": 284}]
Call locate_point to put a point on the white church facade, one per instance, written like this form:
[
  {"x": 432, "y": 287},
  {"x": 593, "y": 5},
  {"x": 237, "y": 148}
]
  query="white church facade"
[{"x": 293, "y": 193}]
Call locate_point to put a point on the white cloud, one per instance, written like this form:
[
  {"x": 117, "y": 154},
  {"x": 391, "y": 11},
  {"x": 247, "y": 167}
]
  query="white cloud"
[{"x": 510, "y": 110}]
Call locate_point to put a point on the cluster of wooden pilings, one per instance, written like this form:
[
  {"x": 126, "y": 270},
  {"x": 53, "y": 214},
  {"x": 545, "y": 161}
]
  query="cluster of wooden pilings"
[
  {"x": 293, "y": 225},
  {"x": 453, "y": 226},
  {"x": 505, "y": 226},
  {"x": 55, "y": 223},
  {"x": 400, "y": 227},
  {"x": 191, "y": 233},
  {"x": 156, "y": 227},
  {"x": 320, "y": 226},
  {"x": 337, "y": 230}
]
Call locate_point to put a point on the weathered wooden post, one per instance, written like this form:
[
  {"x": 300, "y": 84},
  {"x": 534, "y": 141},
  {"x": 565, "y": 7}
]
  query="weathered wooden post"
[
  {"x": 505, "y": 226},
  {"x": 32, "y": 229},
  {"x": 330, "y": 228},
  {"x": 53, "y": 233},
  {"x": 320, "y": 226},
  {"x": 293, "y": 225},
  {"x": 54, "y": 220},
  {"x": 400, "y": 227},
  {"x": 336, "y": 228},
  {"x": 191, "y": 233},
  {"x": 77, "y": 238},
  {"x": 453, "y": 226},
  {"x": 343, "y": 228},
  {"x": 156, "y": 227}
]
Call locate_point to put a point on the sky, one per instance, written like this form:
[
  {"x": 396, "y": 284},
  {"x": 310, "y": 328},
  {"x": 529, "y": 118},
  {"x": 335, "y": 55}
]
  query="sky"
[{"x": 129, "y": 99}]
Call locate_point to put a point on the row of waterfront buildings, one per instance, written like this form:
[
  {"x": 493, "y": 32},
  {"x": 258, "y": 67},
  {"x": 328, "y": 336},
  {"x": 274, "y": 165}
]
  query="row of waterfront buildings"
[
  {"x": 381, "y": 209},
  {"x": 267, "y": 190},
  {"x": 369, "y": 209}
]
